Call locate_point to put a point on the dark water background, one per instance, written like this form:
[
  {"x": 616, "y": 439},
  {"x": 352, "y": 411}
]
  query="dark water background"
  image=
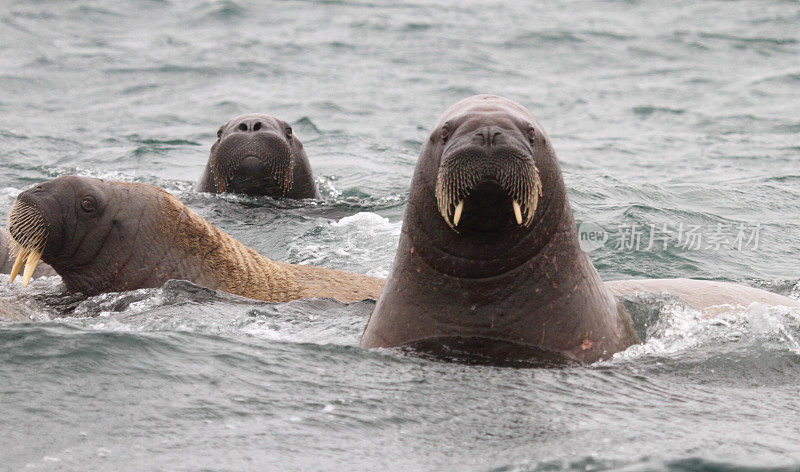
[{"x": 677, "y": 113}]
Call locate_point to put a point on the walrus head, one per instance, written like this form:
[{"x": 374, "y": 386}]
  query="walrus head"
[
  {"x": 489, "y": 263},
  {"x": 487, "y": 192},
  {"x": 254, "y": 154},
  {"x": 97, "y": 235},
  {"x": 487, "y": 178}
]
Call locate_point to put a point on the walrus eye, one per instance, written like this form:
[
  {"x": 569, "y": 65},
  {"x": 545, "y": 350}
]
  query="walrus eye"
[
  {"x": 532, "y": 136},
  {"x": 445, "y": 132},
  {"x": 219, "y": 132},
  {"x": 288, "y": 132},
  {"x": 88, "y": 205}
]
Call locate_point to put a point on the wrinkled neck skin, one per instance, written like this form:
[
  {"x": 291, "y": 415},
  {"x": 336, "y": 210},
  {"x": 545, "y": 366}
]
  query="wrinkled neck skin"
[
  {"x": 525, "y": 291},
  {"x": 163, "y": 239}
]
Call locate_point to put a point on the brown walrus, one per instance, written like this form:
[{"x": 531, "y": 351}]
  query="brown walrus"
[
  {"x": 257, "y": 154},
  {"x": 102, "y": 236},
  {"x": 489, "y": 263},
  {"x": 709, "y": 297}
]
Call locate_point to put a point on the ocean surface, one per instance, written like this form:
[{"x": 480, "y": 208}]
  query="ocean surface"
[{"x": 677, "y": 125}]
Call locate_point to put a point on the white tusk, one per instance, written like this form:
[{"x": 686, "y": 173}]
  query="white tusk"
[
  {"x": 517, "y": 211},
  {"x": 30, "y": 266},
  {"x": 21, "y": 258},
  {"x": 457, "y": 214}
]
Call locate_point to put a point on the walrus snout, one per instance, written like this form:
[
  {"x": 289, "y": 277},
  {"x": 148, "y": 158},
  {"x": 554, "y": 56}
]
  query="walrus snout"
[
  {"x": 253, "y": 163},
  {"x": 30, "y": 231},
  {"x": 254, "y": 177},
  {"x": 487, "y": 173}
]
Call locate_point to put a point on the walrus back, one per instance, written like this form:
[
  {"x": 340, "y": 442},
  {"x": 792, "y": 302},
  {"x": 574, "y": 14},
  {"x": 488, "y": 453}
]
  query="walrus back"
[
  {"x": 707, "y": 296},
  {"x": 213, "y": 258},
  {"x": 336, "y": 284}
]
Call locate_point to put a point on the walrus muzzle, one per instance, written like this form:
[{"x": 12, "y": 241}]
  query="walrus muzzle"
[
  {"x": 236, "y": 160},
  {"x": 28, "y": 230},
  {"x": 503, "y": 175}
]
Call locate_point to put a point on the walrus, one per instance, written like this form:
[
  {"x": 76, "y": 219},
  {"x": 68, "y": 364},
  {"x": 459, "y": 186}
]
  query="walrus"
[
  {"x": 7, "y": 261},
  {"x": 489, "y": 264},
  {"x": 103, "y": 236},
  {"x": 257, "y": 154}
]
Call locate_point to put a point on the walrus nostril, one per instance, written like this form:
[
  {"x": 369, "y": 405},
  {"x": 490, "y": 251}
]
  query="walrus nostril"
[
  {"x": 242, "y": 127},
  {"x": 488, "y": 135},
  {"x": 495, "y": 135},
  {"x": 257, "y": 126}
]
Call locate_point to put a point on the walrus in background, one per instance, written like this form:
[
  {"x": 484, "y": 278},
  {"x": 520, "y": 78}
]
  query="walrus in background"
[
  {"x": 489, "y": 264},
  {"x": 258, "y": 155},
  {"x": 7, "y": 261},
  {"x": 102, "y": 236}
]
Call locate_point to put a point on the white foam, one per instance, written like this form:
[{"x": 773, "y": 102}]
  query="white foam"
[
  {"x": 365, "y": 239},
  {"x": 771, "y": 323},
  {"x": 327, "y": 187},
  {"x": 679, "y": 329},
  {"x": 10, "y": 192}
]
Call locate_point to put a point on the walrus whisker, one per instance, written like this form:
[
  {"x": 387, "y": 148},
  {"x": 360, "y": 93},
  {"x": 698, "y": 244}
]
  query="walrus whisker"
[
  {"x": 276, "y": 156},
  {"x": 28, "y": 237},
  {"x": 460, "y": 174},
  {"x": 225, "y": 172}
]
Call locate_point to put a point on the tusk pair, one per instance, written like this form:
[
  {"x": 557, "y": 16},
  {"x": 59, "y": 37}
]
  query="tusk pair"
[
  {"x": 460, "y": 209},
  {"x": 30, "y": 258}
]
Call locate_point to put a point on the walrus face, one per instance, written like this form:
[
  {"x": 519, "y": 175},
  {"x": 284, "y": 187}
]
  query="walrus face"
[
  {"x": 99, "y": 236},
  {"x": 487, "y": 193},
  {"x": 59, "y": 221},
  {"x": 254, "y": 155},
  {"x": 487, "y": 179}
]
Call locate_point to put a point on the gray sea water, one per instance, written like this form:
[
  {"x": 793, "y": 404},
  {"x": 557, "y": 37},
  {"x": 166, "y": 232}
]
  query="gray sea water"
[{"x": 674, "y": 122}]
